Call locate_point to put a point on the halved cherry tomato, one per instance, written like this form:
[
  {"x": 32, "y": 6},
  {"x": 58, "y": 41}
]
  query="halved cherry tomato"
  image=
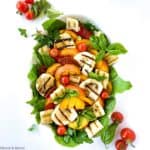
[
  {"x": 82, "y": 47},
  {"x": 49, "y": 104},
  {"x": 61, "y": 130},
  {"x": 104, "y": 94},
  {"x": 84, "y": 32},
  {"x": 117, "y": 117},
  {"x": 121, "y": 145},
  {"x": 54, "y": 52},
  {"x": 29, "y": 15},
  {"x": 22, "y": 7},
  {"x": 29, "y": 1},
  {"x": 65, "y": 80},
  {"x": 128, "y": 135}
]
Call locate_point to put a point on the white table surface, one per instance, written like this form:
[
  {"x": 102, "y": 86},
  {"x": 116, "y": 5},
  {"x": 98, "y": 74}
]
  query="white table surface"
[{"x": 125, "y": 21}]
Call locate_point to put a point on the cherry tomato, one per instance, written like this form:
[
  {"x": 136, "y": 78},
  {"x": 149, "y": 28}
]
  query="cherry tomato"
[
  {"x": 29, "y": 1},
  {"x": 65, "y": 80},
  {"x": 22, "y": 7},
  {"x": 50, "y": 106},
  {"x": 128, "y": 135},
  {"x": 84, "y": 32},
  {"x": 104, "y": 94},
  {"x": 117, "y": 117},
  {"x": 82, "y": 47},
  {"x": 61, "y": 130},
  {"x": 121, "y": 145},
  {"x": 54, "y": 52},
  {"x": 29, "y": 15}
]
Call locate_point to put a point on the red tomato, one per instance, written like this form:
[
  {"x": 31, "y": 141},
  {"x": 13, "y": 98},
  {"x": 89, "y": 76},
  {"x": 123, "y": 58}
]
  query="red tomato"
[
  {"x": 65, "y": 80},
  {"x": 50, "y": 106},
  {"x": 29, "y": 1},
  {"x": 22, "y": 7},
  {"x": 54, "y": 52},
  {"x": 84, "y": 32},
  {"x": 82, "y": 47},
  {"x": 104, "y": 94},
  {"x": 121, "y": 145},
  {"x": 61, "y": 130},
  {"x": 29, "y": 15},
  {"x": 42, "y": 69},
  {"x": 128, "y": 135},
  {"x": 117, "y": 117}
]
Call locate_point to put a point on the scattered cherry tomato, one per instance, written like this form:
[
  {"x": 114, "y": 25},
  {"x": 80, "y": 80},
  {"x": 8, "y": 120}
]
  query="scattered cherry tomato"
[
  {"x": 29, "y": 15},
  {"x": 22, "y": 7},
  {"x": 61, "y": 130},
  {"x": 128, "y": 135},
  {"x": 42, "y": 69},
  {"x": 117, "y": 117},
  {"x": 121, "y": 145},
  {"x": 65, "y": 80},
  {"x": 84, "y": 32},
  {"x": 54, "y": 52},
  {"x": 29, "y": 1},
  {"x": 104, "y": 94},
  {"x": 82, "y": 47}
]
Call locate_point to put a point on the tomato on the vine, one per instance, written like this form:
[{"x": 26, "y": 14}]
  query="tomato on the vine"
[
  {"x": 22, "y": 7},
  {"x": 29, "y": 1},
  {"x": 61, "y": 130},
  {"x": 117, "y": 117},
  {"x": 29, "y": 15}
]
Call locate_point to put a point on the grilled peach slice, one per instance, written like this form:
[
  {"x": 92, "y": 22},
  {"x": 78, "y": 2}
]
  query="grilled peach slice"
[
  {"x": 68, "y": 52},
  {"x": 52, "y": 69},
  {"x": 102, "y": 65}
]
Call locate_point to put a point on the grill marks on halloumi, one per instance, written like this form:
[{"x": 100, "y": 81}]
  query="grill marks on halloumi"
[
  {"x": 93, "y": 128},
  {"x": 63, "y": 117},
  {"x": 44, "y": 83},
  {"x": 86, "y": 61},
  {"x": 65, "y": 41}
]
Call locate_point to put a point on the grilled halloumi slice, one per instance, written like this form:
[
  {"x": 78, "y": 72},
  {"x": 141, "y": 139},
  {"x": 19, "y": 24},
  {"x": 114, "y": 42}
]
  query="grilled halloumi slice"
[
  {"x": 93, "y": 128},
  {"x": 46, "y": 116},
  {"x": 72, "y": 24},
  {"x": 111, "y": 59},
  {"x": 65, "y": 41},
  {"x": 106, "y": 75},
  {"x": 86, "y": 61},
  {"x": 44, "y": 83},
  {"x": 98, "y": 109},
  {"x": 93, "y": 87},
  {"x": 60, "y": 91},
  {"x": 75, "y": 78},
  {"x": 63, "y": 116}
]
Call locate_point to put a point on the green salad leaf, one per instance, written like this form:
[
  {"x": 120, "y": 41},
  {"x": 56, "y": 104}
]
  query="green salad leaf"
[
  {"x": 119, "y": 85},
  {"x": 90, "y": 26},
  {"x": 53, "y": 13},
  {"x": 110, "y": 105},
  {"x": 23, "y": 32},
  {"x": 108, "y": 133},
  {"x": 105, "y": 120},
  {"x": 95, "y": 76},
  {"x": 116, "y": 49}
]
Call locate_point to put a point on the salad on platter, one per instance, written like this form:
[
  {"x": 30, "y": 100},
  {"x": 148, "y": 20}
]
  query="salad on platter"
[{"x": 74, "y": 82}]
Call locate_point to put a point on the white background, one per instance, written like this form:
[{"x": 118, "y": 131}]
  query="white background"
[{"x": 126, "y": 21}]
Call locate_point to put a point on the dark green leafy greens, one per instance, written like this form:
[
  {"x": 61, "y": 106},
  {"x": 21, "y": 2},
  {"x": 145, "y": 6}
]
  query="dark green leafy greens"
[
  {"x": 23, "y": 32},
  {"x": 90, "y": 26},
  {"x": 119, "y": 85}
]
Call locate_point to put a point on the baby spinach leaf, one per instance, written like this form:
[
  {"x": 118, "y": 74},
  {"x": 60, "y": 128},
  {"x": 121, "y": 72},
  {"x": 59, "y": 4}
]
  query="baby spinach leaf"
[
  {"x": 90, "y": 26},
  {"x": 110, "y": 105},
  {"x": 119, "y": 85},
  {"x": 105, "y": 120},
  {"x": 116, "y": 49},
  {"x": 108, "y": 133}
]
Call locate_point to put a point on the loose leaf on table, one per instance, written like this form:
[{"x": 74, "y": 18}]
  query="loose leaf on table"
[
  {"x": 23, "y": 32},
  {"x": 116, "y": 49},
  {"x": 108, "y": 133},
  {"x": 119, "y": 85}
]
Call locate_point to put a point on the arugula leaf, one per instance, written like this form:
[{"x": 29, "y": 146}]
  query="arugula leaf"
[
  {"x": 40, "y": 7},
  {"x": 23, "y": 32},
  {"x": 110, "y": 105},
  {"x": 119, "y": 85},
  {"x": 90, "y": 26},
  {"x": 47, "y": 60},
  {"x": 33, "y": 128},
  {"x": 116, "y": 49},
  {"x": 108, "y": 133},
  {"x": 52, "y": 13},
  {"x": 94, "y": 75},
  {"x": 88, "y": 113},
  {"x": 53, "y": 25},
  {"x": 100, "y": 55}
]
